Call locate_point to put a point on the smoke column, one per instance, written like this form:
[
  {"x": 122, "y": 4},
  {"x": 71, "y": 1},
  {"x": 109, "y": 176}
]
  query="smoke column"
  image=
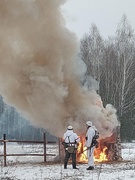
[{"x": 39, "y": 73}]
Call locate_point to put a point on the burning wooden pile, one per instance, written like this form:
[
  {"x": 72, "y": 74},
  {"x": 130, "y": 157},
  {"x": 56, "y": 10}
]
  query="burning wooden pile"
[{"x": 109, "y": 149}]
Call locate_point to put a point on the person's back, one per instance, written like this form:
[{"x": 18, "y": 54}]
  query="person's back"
[{"x": 70, "y": 139}]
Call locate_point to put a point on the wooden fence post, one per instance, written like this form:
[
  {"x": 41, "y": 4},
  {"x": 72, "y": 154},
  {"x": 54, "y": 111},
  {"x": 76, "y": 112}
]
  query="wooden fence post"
[
  {"x": 60, "y": 149},
  {"x": 4, "y": 138},
  {"x": 44, "y": 139}
]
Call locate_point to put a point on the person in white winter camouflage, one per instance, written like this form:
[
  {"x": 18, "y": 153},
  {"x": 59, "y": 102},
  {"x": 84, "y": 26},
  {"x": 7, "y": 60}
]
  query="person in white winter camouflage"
[
  {"x": 89, "y": 144},
  {"x": 71, "y": 141}
]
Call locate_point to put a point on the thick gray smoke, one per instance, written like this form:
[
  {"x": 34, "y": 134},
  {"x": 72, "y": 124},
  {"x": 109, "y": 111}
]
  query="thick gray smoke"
[{"x": 39, "y": 74}]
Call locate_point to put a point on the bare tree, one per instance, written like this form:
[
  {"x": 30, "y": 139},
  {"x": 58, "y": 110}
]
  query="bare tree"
[
  {"x": 112, "y": 64},
  {"x": 91, "y": 52},
  {"x": 108, "y": 84},
  {"x": 125, "y": 48}
]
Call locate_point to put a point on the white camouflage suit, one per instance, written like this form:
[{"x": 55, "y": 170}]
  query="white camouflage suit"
[
  {"x": 72, "y": 137},
  {"x": 69, "y": 138},
  {"x": 90, "y": 152}
]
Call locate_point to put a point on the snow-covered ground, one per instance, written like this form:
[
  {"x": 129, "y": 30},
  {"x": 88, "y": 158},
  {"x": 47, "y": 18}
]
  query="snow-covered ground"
[{"x": 33, "y": 168}]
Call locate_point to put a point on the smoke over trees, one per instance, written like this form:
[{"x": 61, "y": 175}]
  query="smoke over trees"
[
  {"x": 41, "y": 77},
  {"x": 112, "y": 62},
  {"x": 39, "y": 73},
  {"x": 110, "y": 68}
]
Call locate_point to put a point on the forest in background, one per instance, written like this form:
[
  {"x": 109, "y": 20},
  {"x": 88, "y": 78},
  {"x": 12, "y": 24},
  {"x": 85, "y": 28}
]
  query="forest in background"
[
  {"x": 111, "y": 64},
  {"x": 17, "y": 127},
  {"x": 110, "y": 71}
]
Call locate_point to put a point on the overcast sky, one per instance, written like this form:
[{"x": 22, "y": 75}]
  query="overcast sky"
[{"x": 106, "y": 14}]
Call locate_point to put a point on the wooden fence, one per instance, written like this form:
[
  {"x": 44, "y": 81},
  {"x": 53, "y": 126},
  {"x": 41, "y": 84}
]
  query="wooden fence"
[{"x": 44, "y": 142}]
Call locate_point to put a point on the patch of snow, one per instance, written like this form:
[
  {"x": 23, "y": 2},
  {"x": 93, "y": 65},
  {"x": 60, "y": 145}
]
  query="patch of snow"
[{"x": 33, "y": 168}]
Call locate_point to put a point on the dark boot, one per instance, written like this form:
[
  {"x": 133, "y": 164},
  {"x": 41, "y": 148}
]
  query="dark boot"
[
  {"x": 90, "y": 168},
  {"x": 65, "y": 165},
  {"x": 74, "y": 166}
]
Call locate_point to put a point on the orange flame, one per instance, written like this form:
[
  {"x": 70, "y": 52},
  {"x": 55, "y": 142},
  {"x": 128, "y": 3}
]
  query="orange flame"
[
  {"x": 99, "y": 155},
  {"x": 81, "y": 153}
]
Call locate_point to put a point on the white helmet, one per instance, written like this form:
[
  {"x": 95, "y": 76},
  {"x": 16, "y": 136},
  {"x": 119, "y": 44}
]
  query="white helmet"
[
  {"x": 89, "y": 123},
  {"x": 70, "y": 128}
]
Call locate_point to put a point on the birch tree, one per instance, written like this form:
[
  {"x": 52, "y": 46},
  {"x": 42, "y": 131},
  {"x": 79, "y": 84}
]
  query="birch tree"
[
  {"x": 117, "y": 82},
  {"x": 125, "y": 51},
  {"x": 108, "y": 84},
  {"x": 91, "y": 52},
  {"x": 112, "y": 64}
]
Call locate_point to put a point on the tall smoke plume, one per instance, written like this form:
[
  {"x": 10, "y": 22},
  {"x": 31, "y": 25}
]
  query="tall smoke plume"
[{"x": 39, "y": 73}]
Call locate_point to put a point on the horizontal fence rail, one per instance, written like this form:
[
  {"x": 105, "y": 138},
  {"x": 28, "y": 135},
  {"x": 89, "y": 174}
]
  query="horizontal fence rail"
[{"x": 44, "y": 142}]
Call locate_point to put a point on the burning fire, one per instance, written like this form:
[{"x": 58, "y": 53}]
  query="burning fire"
[
  {"x": 82, "y": 153},
  {"x": 99, "y": 153},
  {"x": 109, "y": 149}
]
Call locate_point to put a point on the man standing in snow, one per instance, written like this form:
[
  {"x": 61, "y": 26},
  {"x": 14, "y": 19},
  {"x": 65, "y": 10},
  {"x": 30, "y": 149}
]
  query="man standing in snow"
[
  {"x": 71, "y": 140},
  {"x": 89, "y": 144}
]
